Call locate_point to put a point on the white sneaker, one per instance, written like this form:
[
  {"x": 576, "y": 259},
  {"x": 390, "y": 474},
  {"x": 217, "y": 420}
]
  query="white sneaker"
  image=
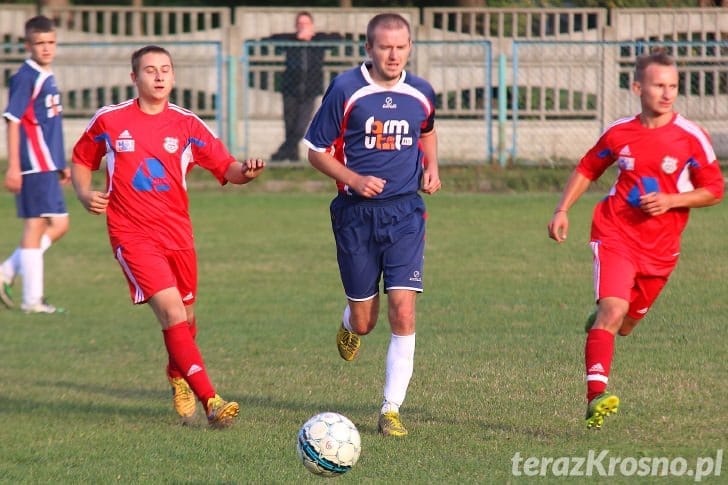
[{"x": 40, "y": 308}]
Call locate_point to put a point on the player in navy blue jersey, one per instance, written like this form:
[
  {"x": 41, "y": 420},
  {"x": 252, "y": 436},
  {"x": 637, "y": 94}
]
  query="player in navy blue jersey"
[
  {"x": 36, "y": 166},
  {"x": 374, "y": 134}
]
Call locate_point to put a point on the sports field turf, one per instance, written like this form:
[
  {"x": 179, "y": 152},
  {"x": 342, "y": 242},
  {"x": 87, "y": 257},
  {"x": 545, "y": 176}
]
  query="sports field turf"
[{"x": 498, "y": 369}]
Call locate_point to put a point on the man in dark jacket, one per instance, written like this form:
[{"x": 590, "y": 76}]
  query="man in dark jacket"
[{"x": 302, "y": 80}]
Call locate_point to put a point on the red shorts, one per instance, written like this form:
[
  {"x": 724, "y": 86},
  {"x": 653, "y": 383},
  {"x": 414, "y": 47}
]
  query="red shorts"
[
  {"x": 629, "y": 276},
  {"x": 150, "y": 269}
]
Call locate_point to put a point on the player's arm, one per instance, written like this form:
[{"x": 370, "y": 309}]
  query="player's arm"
[
  {"x": 657, "y": 203},
  {"x": 363, "y": 185},
  {"x": 577, "y": 184},
  {"x": 709, "y": 189},
  {"x": 243, "y": 172},
  {"x": 431, "y": 182},
  {"x": 13, "y": 177},
  {"x": 93, "y": 201}
]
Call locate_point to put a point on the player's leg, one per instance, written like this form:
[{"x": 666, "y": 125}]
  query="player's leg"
[
  {"x": 183, "y": 398},
  {"x": 399, "y": 364},
  {"x": 151, "y": 271},
  {"x": 56, "y": 227},
  {"x": 403, "y": 270},
  {"x": 360, "y": 270},
  {"x": 9, "y": 269},
  {"x": 646, "y": 290},
  {"x": 614, "y": 277},
  {"x": 42, "y": 204},
  {"x": 32, "y": 266},
  {"x": 186, "y": 356}
]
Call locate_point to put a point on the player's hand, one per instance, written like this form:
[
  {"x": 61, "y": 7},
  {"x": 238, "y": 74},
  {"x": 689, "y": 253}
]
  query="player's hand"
[
  {"x": 13, "y": 180},
  {"x": 368, "y": 185},
  {"x": 559, "y": 226},
  {"x": 252, "y": 167},
  {"x": 95, "y": 202},
  {"x": 655, "y": 203},
  {"x": 431, "y": 182}
]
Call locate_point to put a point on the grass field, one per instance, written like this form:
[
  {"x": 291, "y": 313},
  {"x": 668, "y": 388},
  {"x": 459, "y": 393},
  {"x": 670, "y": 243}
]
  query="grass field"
[{"x": 498, "y": 369}]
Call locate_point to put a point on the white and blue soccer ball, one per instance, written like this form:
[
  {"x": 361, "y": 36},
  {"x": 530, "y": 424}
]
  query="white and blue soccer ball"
[{"x": 328, "y": 444}]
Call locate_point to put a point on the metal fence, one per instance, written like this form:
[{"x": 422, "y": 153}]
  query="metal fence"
[
  {"x": 563, "y": 94},
  {"x": 459, "y": 71},
  {"x": 544, "y": 104}
]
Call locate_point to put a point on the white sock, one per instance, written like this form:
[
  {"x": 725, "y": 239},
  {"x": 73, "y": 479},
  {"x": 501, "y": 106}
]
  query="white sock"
[
  {"x": 32, "y": 268},
  {"x": 400, "y": 365},
  {"x": 345, "y": 318},
  {"x": 45, "y": 242},
  {"x": 11, "y": 266}
]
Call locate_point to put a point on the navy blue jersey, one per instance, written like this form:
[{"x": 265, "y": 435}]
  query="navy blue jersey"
[
  {"x": 375, "y": 130},
  {"x": 35, "y": 103}
]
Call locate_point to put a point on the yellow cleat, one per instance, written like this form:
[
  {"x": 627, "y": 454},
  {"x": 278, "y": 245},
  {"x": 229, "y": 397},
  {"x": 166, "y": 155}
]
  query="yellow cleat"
[
  {"x": 391, "y": 425},
  {"x": 348, "y": 344},
  {"x": 599, "y": 408},
  {"x": 183, "y": 398},
  {"x": 220, "y": 413}
]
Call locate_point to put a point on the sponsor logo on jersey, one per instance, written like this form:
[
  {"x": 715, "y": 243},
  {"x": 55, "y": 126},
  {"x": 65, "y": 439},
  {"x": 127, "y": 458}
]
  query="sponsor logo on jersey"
[
  {"x": 53, "y": 105},
  {"x": 388, "y": 103},
  {"x": 625, "y": 160},
  {"x": 416, "y": 276},
  {"x": 171, "y": 144},
  {"x": 387, "y": 135},
  {"x": 125, "y": 143},
  {"x": 669, "y": 164}
]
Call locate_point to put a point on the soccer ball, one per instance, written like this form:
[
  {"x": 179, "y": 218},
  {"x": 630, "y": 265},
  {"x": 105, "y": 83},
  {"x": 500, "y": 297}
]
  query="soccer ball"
[{"x": 328, "y": 444}]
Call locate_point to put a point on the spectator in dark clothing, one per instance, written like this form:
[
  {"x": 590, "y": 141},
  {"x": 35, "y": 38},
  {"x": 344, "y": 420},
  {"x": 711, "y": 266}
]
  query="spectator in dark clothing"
[{"x": 302, "y": 80}]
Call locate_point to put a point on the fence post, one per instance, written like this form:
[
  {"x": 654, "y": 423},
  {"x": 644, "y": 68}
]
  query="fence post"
[{"x": 502, "y": 109}]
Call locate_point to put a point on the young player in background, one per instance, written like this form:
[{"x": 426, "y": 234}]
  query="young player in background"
[
  {"x": 374, "y": 134},
  {"x": 667, "y": 166},
  {"x": 36, "y": 167},
  {"x": 150, "y": 145}
]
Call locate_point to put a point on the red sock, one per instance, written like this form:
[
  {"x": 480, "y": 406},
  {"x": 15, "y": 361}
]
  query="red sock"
[
  {"x": 172, "y": 370},
  {"x": 185, "y": 355},
  {"x": 598, "y": 353}
]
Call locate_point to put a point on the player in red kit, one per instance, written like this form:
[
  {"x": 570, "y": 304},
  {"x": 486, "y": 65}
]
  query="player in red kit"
[
  {"x": 666, "y": 166},
  {"x": 150, "y": 145}
]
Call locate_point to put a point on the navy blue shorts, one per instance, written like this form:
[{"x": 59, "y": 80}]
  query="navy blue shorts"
[
  {"x": 379, "y": 238},
  {"x": 40, "y": 196}
]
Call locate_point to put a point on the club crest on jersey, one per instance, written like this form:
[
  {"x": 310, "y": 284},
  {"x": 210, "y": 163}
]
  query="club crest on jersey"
[
  {"x": 389, "y": 103},
  {"x": 171, "y": 144},
  {"x": 669, "y": 165},
  {"x": 386, "y": 135}
]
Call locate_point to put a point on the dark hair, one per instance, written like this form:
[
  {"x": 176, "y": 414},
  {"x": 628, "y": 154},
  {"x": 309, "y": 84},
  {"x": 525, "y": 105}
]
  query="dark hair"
[
  {"x": 137, "y": 55},
  {"x": 658, "y": 55},
  {"x": 38, "y": 24},
  {"x": 388, "y": 21}
]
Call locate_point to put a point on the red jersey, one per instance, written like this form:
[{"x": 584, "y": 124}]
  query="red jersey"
[
  {"x": 147, "y": 160},
  {"x": 674, "y": 158}
]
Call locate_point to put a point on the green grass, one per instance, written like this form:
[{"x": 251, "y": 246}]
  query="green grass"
[{"x": 498, "y": 369}]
